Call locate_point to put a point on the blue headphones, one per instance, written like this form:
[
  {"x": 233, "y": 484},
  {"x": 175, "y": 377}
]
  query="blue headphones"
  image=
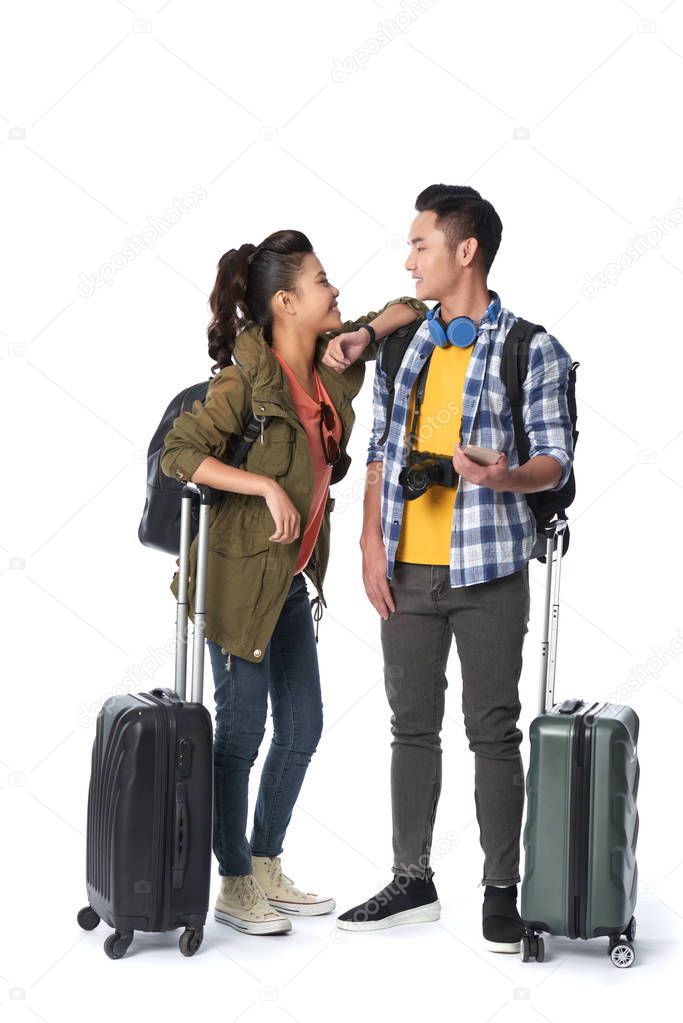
[{"x": 460, "y": 332}]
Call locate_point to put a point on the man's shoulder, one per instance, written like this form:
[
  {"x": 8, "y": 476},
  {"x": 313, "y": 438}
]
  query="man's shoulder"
[
  {"x": 542, "y": 346},
  {"x": 404, "y": 340}
]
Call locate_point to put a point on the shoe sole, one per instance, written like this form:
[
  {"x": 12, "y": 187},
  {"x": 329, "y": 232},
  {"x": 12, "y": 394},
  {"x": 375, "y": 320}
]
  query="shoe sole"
[
  {"x": 304, "y": 908},
  {"x": 503, "y": 946},
  {"x": 420, "y": 915},
  {"x": 266, "y": 927}
]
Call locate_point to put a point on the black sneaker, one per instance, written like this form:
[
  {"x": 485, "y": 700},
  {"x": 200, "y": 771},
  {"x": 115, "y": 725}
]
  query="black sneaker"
[
  {"x": 407, "y": 900},
  {"x": 502, "y": 924}
]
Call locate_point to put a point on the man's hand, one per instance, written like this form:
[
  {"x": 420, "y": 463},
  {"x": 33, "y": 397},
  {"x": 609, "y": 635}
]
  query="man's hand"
[
  {"x": 496, "y": 476},
  {"x": 344, "y": 349},
  {"x": 375, "y": 576}
]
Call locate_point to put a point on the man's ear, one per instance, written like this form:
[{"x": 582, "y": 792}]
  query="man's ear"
[{"x": 470, "y": 247}]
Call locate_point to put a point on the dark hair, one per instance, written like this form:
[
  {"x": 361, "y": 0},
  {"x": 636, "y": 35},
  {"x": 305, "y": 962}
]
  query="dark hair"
[
  {"x": 462, "y": 213},
  {"x": 247, "y": 279}
]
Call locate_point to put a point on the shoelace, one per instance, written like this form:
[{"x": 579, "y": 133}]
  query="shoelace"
[
  {"x": 278, "y": 878},
  {"x": 251, "y": 892}
]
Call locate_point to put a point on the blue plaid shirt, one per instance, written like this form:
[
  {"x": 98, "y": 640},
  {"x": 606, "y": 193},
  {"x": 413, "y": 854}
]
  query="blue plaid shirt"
[{"x": 492, "y": 533}]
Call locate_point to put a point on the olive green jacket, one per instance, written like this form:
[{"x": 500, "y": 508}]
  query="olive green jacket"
[{"x": 249, "y": 576}]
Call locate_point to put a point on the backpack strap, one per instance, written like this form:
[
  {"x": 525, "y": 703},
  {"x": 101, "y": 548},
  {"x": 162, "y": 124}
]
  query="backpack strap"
[
  {"x": 252, "y": 429},
  {"x": 514, "y": 365},
  {"x": 394, "y": 348},
  {"x": 571, "y": 400}
]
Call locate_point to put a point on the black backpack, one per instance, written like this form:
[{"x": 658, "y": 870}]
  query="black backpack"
[
  {"x": 160, "y": 523},
  {"x": 514, "y": 364},
  {"x": 513, "y": 370}
]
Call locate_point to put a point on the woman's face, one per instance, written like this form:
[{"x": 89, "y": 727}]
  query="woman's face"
[{"x": 315, "y": 304}]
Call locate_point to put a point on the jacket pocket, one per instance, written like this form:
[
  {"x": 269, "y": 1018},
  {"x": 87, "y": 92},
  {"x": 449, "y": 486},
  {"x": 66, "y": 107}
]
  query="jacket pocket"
[
  {"x": 238, "y": 575},
  {"x": 272, "y": 458},
  {"x": 241, "y": 544}
]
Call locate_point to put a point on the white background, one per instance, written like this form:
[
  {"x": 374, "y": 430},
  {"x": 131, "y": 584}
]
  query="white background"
[{"x": 330, "y": 119}]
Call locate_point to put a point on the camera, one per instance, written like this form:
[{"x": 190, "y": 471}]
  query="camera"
[{"x": 425, "y": 470}]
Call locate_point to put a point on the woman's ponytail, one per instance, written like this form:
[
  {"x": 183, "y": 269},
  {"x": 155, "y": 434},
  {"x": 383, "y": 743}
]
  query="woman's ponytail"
[
  {"x": 246, "y": 281},
  {"x": 228, "y": 304}
]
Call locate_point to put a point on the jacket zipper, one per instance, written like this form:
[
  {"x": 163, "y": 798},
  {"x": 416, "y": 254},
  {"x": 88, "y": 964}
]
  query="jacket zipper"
[
  {"x": 313, "y": 561},
  {"x": 295, "y": 422}
]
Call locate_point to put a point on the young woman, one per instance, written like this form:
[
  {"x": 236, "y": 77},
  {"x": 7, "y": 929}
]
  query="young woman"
[{"x": 283, "y": 352}]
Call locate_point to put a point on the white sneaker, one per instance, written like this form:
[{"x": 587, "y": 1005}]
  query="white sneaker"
[
  {"x": 242, "y": 904},
  {"x": 282, "y": 893}
]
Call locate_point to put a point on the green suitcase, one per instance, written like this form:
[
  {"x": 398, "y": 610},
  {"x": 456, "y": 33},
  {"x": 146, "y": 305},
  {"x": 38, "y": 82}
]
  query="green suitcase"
[{"x": 580, "y": 874}]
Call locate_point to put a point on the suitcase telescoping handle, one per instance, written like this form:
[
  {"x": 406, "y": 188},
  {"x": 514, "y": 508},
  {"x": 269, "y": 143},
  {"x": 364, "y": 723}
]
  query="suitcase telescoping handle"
[
  {"x": 554, "y": 533},
  {"x": 205, "y": 496}
]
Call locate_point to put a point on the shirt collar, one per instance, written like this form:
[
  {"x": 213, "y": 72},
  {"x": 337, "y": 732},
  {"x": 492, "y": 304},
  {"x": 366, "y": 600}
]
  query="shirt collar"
[{"x": 489, "y": 320}]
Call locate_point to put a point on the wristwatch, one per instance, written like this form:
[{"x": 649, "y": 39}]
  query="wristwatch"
[{"x": 370, "y": 330}]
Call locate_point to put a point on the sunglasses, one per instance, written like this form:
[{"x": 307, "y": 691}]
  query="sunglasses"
[{"x": 330, "y": 446}]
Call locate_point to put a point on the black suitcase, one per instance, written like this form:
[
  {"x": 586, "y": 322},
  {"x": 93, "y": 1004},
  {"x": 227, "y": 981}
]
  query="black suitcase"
[
  {"x": 150, "y": 797},
  {"x": 580, "y": 872}
]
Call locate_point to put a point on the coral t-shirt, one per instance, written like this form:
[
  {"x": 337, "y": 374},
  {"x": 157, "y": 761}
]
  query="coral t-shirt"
[{"x": 308, "y": 410}]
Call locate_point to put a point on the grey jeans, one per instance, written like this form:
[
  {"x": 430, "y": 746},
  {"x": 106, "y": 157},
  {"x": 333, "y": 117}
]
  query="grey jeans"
[{"x": 489, "y": 621}]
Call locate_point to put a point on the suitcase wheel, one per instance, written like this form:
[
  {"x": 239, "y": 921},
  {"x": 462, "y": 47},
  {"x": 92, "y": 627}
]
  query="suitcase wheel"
[
  {"x": 622, "y": 954},
  {"x": 88, "y": 918},
  {"x": 532, "y": 947},
  {"x": 190, "y": 940},
  {"x": 118, "y": 943}
]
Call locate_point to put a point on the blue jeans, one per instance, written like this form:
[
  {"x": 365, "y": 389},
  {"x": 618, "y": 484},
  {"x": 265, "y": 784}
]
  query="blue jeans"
[{"x": 289, "y": 674}]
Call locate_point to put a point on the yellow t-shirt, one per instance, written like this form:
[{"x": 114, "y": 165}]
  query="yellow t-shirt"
[{"x": 427, "y": 521}]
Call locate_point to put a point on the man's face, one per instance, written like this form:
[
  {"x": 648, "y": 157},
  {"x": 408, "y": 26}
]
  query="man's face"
[{"x": 435, "y": 269}]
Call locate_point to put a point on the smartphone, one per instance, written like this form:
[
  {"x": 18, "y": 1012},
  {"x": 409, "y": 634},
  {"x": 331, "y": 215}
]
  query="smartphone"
[{"x": 482, "y": 456}]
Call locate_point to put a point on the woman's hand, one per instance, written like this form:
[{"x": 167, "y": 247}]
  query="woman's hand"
[
  {"x": 344, "y": 349},
  {"x": 286, "y": 517}
]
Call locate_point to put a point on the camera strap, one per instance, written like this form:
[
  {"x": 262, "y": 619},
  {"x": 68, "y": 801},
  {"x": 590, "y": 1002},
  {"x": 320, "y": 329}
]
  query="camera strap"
[{"x": 421, "y": 384}]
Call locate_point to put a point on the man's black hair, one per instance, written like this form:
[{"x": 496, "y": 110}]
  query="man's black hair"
[{"x": 462, "y": 213}]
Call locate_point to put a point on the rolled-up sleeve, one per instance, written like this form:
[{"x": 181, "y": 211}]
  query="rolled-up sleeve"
[
  {"x": 209, "y": 427},
  {"x": 379, "y": 412},
  {"x": 545, "y": 411}
]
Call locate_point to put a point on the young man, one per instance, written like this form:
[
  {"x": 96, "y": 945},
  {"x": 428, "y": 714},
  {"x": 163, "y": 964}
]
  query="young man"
[{"x": 456, "y": 554}]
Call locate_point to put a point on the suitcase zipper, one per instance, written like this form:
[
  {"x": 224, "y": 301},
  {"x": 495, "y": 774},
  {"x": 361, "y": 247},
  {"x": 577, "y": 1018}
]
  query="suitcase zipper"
[
  {"x": 159, "y": 871},
  {"x": 573, "y": 800},
  {"x": 588, "y": 723},
  {"x": 579, "y": 823},
  {"x": 578, "y": 829}
]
